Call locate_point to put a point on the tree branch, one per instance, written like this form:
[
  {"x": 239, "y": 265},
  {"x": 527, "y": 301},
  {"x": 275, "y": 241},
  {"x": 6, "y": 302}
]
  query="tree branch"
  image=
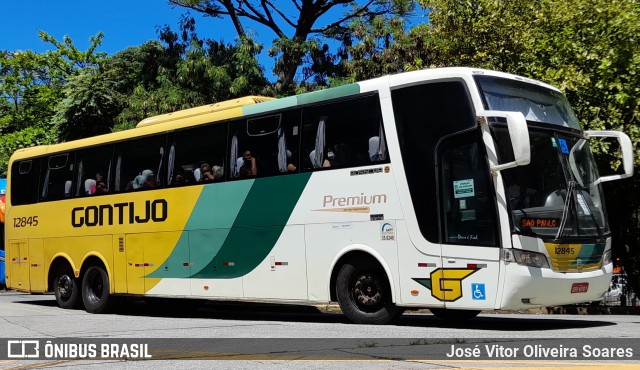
[
  {"x": 281, "y": 14},
  {"x": 358, "y": 13},
  {"x": 256, "y": 16}
]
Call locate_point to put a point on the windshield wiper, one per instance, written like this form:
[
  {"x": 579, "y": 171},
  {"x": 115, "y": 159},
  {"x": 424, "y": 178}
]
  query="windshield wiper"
[{"x": 568, "y": 204}]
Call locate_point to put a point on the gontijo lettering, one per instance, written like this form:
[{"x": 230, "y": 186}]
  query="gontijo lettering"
[{"x": 120, "y": 213}]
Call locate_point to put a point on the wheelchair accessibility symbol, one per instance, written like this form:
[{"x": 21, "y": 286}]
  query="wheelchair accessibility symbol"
[{"x": 478, "y": 292}]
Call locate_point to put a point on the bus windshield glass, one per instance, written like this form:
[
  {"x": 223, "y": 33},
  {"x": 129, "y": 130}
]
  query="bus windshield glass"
[
  {"x": 556, "y": 196},
  {"x": 537, "y": 103}
]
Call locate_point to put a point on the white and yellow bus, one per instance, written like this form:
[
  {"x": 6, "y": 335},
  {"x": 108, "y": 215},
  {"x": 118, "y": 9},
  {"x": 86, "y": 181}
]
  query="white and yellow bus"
[{"x": 455, "y": 189}]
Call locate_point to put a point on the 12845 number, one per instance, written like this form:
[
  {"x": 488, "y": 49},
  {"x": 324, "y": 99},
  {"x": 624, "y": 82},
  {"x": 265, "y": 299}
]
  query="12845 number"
[{"x": 25, "y": 221}]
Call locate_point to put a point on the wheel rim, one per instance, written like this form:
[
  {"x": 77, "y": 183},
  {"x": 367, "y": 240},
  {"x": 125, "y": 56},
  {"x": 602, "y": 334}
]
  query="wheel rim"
[
  {"x": 368, "y": 292},
  {"x": 65, "y": 287},
  {"x": 95, "y": 286}
]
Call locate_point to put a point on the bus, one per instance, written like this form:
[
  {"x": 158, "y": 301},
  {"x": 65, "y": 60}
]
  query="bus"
[{"x": 453, "y": 189}]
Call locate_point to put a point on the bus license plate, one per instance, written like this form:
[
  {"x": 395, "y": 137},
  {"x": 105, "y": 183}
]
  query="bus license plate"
[{"x": 579, "y": 287}]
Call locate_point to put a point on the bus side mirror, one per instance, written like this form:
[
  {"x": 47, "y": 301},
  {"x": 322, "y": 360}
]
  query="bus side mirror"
[
  {"x": 519, "y": 135},
  {"x": 627, "y": 153}
]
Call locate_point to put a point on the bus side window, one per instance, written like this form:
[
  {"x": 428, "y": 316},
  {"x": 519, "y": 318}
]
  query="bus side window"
[
  {"x": 94, "y": 173},
  {"x": 268, "y": 145},
  {"x": 197, "y": 155},
  {"x": 346, "y": 133},
  {"x": 24, "y": 181},
  {"x": 55, "y": 176},
  {"x": 140, "y": 164}
]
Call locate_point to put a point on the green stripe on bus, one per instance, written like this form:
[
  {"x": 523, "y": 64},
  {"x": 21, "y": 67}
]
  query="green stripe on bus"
[
  {"x": 292, "y": 101},
  {"x": 332, "y": 93},
  {"x": 590, "y": 254},
  {"x": 207, "y": 228},
  {"x": 271, "y": 105},
  {"x": 258, "y": 226}
]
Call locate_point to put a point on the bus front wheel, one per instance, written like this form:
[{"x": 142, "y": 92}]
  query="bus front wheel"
[
  {"x": 66, "y": 289},
  {"x": 95, "y": 290},
  {"x": 364, "y": 294}
]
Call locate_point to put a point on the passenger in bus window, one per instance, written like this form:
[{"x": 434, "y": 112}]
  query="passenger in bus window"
[
  {"x": 249, "y": 166},
  {"x": 101, "y": 184},
  {"x": 90, "y": 186},
  {"x": 137, "y": 183},
  {"x": 218, "y": 172},
  {"x": 149, "y": 179},
  {"x": 206, "y": 174},
  {"x": 179, "y": 178}
]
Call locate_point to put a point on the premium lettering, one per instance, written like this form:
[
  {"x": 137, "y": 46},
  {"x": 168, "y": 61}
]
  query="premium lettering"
[
  {"x": 120, "y": 213},
  {"x": 358, "y": 200}
]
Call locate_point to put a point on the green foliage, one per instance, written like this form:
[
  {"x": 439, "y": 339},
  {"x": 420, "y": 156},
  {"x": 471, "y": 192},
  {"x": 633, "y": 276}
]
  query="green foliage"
[
  {"x": 90, "y": 105},
  {"x": 32, "y": 85},
  {"x": 301, "y": 40},
  {"x": 187, "y": 72},
  {"x": 25, "y": 138}
]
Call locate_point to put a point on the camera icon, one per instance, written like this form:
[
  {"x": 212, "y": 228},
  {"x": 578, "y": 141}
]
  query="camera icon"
[{"x": 23, "y": 349}]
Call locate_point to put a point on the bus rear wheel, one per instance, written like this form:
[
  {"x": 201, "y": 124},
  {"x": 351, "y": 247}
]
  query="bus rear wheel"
[
  {"x": 454, "y": 315},
  {"x": 95, "y": 291},
  {"x": 66, "y": 288},
  {"x": 364, "y": 294}
]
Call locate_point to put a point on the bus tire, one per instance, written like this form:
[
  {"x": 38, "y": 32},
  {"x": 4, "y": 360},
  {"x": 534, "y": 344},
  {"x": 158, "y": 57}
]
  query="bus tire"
[
  {"x": 95, "y": 290},
  {"x": 364, "y": 294},
  {"x": 66, "y": 288},
  {"x": 454, "y": 315}
]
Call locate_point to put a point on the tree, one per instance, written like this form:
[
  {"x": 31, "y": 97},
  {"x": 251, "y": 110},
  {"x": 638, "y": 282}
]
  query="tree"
[
  {"x": 31, "y": 86},
  {"x": 89, "y": 107},
  {"x": 184, "y": 72},
  {"x": 298, "y": 41}
]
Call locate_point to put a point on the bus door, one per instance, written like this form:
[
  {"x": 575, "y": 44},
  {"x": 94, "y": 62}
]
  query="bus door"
[
  {"x": 469, "y": 227},
  {"x": 18, "y": 267}
]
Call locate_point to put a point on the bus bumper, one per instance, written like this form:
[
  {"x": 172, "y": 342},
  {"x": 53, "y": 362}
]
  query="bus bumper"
[{"x": 529, "y": 287}]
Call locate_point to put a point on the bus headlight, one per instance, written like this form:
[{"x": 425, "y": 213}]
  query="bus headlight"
[
  {"x": 606, "y": 258},
  {"x": 525, "y": 258}
]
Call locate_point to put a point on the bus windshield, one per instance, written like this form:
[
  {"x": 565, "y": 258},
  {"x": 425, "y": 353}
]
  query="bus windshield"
[
  {"x": 556, "y": 195},
  {"x": 538, "y": 104}
]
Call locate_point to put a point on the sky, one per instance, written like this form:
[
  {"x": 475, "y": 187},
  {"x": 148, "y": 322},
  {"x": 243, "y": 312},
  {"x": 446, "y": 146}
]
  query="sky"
[{"x": 124, "y": 23}]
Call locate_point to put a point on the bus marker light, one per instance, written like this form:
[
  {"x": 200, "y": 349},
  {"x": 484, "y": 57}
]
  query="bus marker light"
[
  {"x": 415, "y": 292},
  {"x": 206, "y": 287},
  {"x": 476, "y": 265},
  {"x": 282, "y": 263},
  {"x": 423, "y": 264},
  {"x": 228, "y": 264}
]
